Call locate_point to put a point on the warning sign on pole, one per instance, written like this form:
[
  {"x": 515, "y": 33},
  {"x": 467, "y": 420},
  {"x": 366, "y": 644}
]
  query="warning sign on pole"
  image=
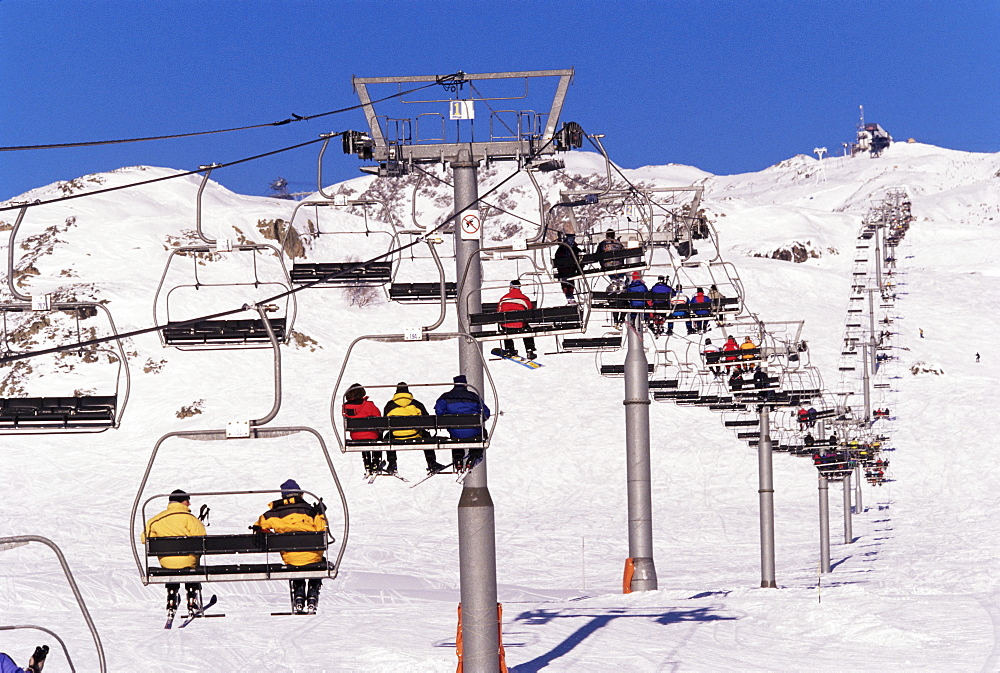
[{"x": 472, "y": 226}]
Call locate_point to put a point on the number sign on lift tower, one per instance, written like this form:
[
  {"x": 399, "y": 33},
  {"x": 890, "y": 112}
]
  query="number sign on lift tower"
[{"x": 462, "y": 109}]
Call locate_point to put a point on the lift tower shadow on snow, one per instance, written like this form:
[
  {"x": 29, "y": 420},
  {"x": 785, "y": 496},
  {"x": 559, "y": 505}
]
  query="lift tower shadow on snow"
[{"x": 396, "y": 143}]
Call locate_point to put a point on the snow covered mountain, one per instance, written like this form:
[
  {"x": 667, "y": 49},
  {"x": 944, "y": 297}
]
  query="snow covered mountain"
[{"x": 916, "y": 590}]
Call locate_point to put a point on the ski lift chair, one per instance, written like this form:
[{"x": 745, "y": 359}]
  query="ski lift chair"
[
  {"x": 674, "y": 380},
  {"x": 634, "y": 255},
  {"x": 177, "y": 302},
  {"x": 610, "y": 341},
  {"x": 32, "y": 627},
  {"x": 835, "y": 466},
  {"x": 488, "y": 325},
  {"x": 346, "y": 272},
  {"x": 73, "y": 411},
  {"x": 426, "y": 291},
  {"x": 610, "y": 363},
  {"x": 7, "y": 543},
  {"x": 240, "y": 438},
  {"x": 432, "y": 428}
]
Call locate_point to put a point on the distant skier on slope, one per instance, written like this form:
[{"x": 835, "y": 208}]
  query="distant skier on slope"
[
  {"x": 289, "y": 515},
  {"x": 175, "y": 521},
  {"x": 461, "y": 400}
]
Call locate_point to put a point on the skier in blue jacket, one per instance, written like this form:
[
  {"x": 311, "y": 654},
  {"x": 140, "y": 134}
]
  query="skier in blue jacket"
[
  {"x": 461, "y": 400},
  {"x": 656, "y": 320},
  {"x": 637, "y": 285},
  {"x": 35, "y": 665}
]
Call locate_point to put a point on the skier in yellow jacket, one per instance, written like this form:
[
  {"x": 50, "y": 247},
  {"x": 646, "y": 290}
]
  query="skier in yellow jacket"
[
  {"x": 293, "y": 514},
  {"x": 176, "y": 521},
  {"x": 403, "y": 403}
]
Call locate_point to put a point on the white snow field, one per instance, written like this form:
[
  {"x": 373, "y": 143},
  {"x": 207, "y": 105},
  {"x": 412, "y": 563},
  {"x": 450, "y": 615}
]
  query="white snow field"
[{"x": 917, "y": 590}]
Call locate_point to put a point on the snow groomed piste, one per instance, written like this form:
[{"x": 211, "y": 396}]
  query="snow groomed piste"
[{"x": 760, "y": 390}]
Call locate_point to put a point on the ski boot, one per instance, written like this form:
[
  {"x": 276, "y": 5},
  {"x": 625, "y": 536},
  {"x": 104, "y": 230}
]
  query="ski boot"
[
  {"x": 312, "y": 600},
  {"x": 298, "y": 590},
  {"x": 173, "y": 600},
  {"x": 193, "y": 599}
]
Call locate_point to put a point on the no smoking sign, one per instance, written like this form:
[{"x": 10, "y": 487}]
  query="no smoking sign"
[{"x": 472, "y": 226}]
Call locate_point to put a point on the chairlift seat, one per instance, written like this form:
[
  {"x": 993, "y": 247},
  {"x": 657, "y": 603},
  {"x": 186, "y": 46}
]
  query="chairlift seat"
[
  {"x": 663, "y": 384},
  {"x": 619, "y": 370},
  {"x": 209, "y": 545},
  {"x": 676, "y": 394},
  {"x": 595, "y": 343},
  {"x": 538, "y": 321},
  {"x": 421, "y": 292},
  {"x": 374, "y": 273},
  {"x": 58, "y": 413},
  {"x": 385, "y": 425},
  {"x": 591, "y": 264},
  {"x": 721, "y": 357},
  {"x": 622, "y": 302},
  {"x": 207, "y": 332}
]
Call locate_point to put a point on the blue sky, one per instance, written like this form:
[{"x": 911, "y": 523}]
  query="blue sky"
[{"x": 726, "y": 86}]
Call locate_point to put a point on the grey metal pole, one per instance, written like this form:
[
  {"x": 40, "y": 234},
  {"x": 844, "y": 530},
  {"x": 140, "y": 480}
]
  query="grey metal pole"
[
  {"x": 871, "y": 330},
  {"x": 848, "y": 530},
  {"x": 766, "y": 498},
  {"x": 859, "y": 506},
  {"x": 865, "y": 383},
  {"x": 824, "y": 525},
  {"x": 879, "y": 228},
  {"x": 637, "y": 462},
  {"x": 476, "y": 524}
]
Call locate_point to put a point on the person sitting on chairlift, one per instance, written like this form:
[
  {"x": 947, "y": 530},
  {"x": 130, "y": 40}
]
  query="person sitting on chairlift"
[
  {"x": 637, "y": 286},
  {"x": 701, "y": 298},
  {"x": 293, "y": 514},
  {"x": 462, "y": 400},
  {"x": 566, "y": 263},
  {"x": 515, "y": 300},
  {"x": 612, "y": 244},
  {"x": 711, "y": 355},
  {"x": 176, "y": 521},
  {"x": 748, "y": 345},
  {"x": 357, "y": 405},
  {"x": 730, "y": 347},
  {"x": 403, "y": 403},
  {"x": 656, "y": 320},
  {"x": 679, "y": 301}
]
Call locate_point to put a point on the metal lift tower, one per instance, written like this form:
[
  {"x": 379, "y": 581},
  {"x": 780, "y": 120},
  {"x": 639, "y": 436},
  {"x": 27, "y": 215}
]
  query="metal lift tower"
[{"x": 464, "y": 130}]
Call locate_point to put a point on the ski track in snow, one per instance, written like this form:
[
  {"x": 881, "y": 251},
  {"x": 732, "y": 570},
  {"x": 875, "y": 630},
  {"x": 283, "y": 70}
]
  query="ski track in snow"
[{"x": 917, "y": 590}]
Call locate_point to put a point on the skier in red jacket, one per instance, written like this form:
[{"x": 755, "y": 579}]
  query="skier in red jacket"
[
  {"x": 730, "y": 348},
  {"x": 515, "y": 300},
  {"x": 357, "y": 405}
]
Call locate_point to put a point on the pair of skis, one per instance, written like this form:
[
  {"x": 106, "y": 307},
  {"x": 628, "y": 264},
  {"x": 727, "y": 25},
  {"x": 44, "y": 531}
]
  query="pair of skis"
[
  {"x": 379, "y": 471},
  {"x": 462, "y": 474},
  {"x": 194, "y": 614}
]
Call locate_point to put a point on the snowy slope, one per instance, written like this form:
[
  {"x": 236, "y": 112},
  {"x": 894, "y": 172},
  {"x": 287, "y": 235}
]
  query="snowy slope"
[{"x": 917, "y": 590}]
